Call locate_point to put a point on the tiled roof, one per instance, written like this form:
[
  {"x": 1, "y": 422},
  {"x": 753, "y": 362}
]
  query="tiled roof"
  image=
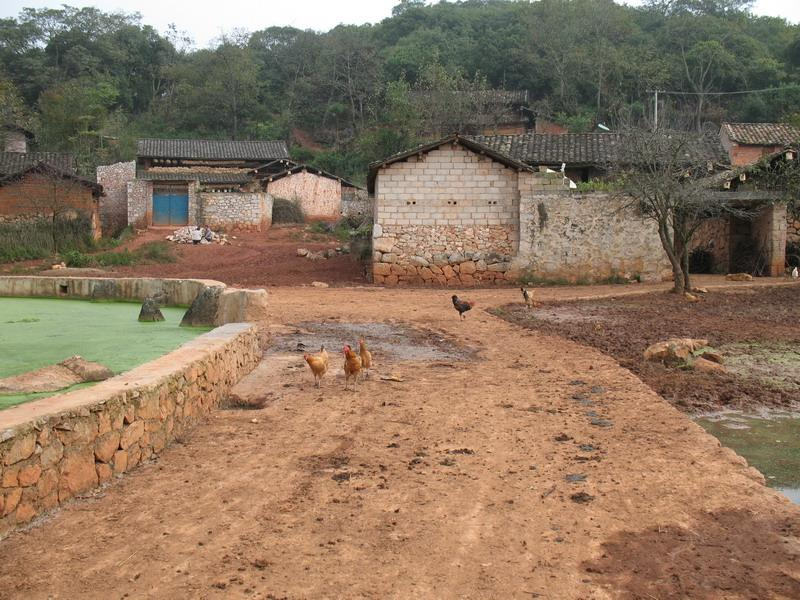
[
  {"x": 582, "y": 149},
  {"x": 12, "y": 163},
  {"x": 209, "y": 177},
  {"x": 762, "y": 134},
  {"x": 212, "y": 149}
]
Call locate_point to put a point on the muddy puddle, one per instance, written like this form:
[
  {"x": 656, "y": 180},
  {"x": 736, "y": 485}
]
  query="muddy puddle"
[
  {"x": 770, "y": 442},
  {"x": 392, "y": 341}
]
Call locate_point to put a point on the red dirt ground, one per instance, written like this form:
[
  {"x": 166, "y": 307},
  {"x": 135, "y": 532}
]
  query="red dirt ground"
[
  {"x": 625, "y": 327},
  {"x": 533, "y": 468}
]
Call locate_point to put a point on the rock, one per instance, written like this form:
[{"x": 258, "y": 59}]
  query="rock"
[
  {"x": 20, "y": 449},
  {"x": 468, "y": 268},
  {"x": 77, "y": 473},
  {"x": 699, "y": 290},
  {"x": 329, "y": 253},
  {"x": 713, "y": 356},
  {"x": 131, "y": 434},
  {"x": 47, "y": 483},
  {"x": 739, "y": 277},
  {"x": 455, "y": 258},
  {"x": 87, "y": 370},
  {"x": 499, "y": 267},
  {"x": 440, "y": 259},
  {"x": 380, "y": 269},
  {"x": 203, "y": 311},
  {"x": 691, "y": 297},
  {"x": 707, "y": 366},
  {"x": 29, "y": 475},
  {"x": 390, "y": 258},
  {"x": 104, "y": 472},
  {"x": 12, "y": 499},
  {"x": 383, "y": 244},
  {"x": 302, "y": 252},
  {"x": 674, "y": 350},
  {"x": 481, "y": 265},
  {"x": 47, "y": 379},
  {"x": 377, "y": 230},
  {"x": 418, "y": 261},
  {"x": 106, "y": 445},
  {"x": 120, "y": 461},
  {"x": 319, "y": 284},
  {"x": 448, "y": 272}
]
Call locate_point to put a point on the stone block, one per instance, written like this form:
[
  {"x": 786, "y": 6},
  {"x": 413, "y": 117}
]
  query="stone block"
[
  {"x": 381, "y": 269},
  {"x": 19, "y": 448},
  {"x": 77, "y": 473},
  {"x": 12, "y": 499},
  {"x": 29, "y": 475},
  {"x": 47, "y": 483},
  {"x": 104, "y": 473},
  {"x": 51, "y": 453},
  {"x": 106, "y": 445},
  {"x": 131, "y": 434},
  {"x": 120, "y": 463}
]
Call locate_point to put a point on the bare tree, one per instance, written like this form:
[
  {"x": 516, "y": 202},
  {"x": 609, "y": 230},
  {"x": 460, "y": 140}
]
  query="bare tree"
[
  {"x": 58, "y": 198},
  {"x": 669, "y": 177}
]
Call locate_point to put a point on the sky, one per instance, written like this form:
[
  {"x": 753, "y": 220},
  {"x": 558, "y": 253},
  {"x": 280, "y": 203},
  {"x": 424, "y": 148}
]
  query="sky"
[{"x": 205, "y": 20}]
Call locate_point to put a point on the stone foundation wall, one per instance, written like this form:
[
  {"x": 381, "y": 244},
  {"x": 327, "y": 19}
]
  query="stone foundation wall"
[
  {"x": 586, "y": 237},
  {"x": 236, "y": 210},
  {"x": 56, "y": 448},
  {"x": 140, "y": 203},
  {"x": 114, "y": 205},
  {"x": 319, "y": 197}
]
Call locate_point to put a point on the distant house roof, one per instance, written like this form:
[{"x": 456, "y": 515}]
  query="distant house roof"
[
  {"x": 12, "y": 163},
  {"x": 55, "y": 172},
  {"x": 583, "y": 149},
  {"x": 470, "y": 143},
  {"x": 762, "y": 134},
  {"x": 309, "y": 169},
  {"x": 210, "y": 177},
  {"x": 14, "y": 127},
  {"x": 212, "y": 149}
]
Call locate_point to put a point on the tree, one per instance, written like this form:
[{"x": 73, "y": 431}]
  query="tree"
[{"x": 666, "y": 176}]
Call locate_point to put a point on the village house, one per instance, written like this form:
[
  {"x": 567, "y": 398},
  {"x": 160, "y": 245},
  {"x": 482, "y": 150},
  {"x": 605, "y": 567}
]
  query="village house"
[
  {"x": 746, "y": 143},
  {"x": 43, "y": 184},
  {"x": 458, "y": 212},
  {"x": 320, "y": 195}
]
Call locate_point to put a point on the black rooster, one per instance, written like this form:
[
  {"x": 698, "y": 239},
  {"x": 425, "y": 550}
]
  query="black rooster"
[{"x": 462, "y": 306}]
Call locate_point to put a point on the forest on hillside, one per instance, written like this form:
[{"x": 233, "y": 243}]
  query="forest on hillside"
[{"x": 91, "y": 83}]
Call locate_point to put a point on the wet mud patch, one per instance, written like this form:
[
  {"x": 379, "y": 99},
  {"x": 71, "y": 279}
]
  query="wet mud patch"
[
  {"x": 756, "y": 329},
  {"x": 390, "y": 341},
  {"x": 677, "y": 562}
]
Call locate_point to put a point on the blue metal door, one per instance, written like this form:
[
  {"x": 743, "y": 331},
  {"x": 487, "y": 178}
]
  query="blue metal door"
[{"x": 170, "y": 208}]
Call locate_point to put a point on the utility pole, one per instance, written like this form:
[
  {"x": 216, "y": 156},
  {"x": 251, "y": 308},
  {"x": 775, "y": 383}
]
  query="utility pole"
[{"x": 655, "y": 112}]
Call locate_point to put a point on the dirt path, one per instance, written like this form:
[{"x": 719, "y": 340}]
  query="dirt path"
[{"x": 536, "y": 468}]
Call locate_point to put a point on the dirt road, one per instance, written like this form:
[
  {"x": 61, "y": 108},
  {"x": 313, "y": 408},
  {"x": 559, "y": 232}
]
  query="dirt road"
[{"x": 503, "y": 464}]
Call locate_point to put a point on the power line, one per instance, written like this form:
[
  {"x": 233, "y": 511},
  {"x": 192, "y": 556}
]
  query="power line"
[{"x": 676, "y": 93}]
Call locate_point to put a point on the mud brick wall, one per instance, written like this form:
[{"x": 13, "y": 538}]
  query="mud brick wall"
[
  {"x": 57, "y": 448},
  {"x": 319, "y": 197},
  {"x": 448, "y": 217},
  {"x": 770, "y": 234},
  {"x": 114, "y": 205},
  {"x": 588, "y": 237},
  {"x": 236, "y": 210}
]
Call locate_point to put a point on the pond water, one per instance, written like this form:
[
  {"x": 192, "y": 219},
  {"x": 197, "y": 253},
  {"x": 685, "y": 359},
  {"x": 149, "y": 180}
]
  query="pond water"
[
  {"x": 770, "y": 442},
  {"x": 36, "y": 332}
]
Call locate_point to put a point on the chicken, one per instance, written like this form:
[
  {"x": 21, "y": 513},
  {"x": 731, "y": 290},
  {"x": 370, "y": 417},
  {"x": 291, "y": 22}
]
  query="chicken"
[
  {"x": 462, "y": 306},
  {"x": 527, "y": 297},
  {"x": 366, "y": 357},
  {"x": 352, "y": 367},
  {"x": 318, "y": 363}
]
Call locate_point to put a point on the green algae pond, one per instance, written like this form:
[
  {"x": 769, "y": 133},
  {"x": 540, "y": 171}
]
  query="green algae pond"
[
  {"x": 36, "y": 332},
  {"x": 770, "y": 442}
]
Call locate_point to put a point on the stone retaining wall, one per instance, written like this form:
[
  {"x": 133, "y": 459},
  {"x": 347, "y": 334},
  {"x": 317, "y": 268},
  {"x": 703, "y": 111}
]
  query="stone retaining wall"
[
  {"x": 57, "y": 448},
  {"x": 792, "y": 229},
  {"x": 356, "y": 202}
]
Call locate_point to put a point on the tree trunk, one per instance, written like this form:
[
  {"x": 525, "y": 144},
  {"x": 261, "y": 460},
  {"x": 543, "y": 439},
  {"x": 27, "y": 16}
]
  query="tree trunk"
[{"x": 674, "y": 259}]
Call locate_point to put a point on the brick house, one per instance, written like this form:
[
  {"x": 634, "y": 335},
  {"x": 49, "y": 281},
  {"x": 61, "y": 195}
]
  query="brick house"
[
  {"x": 746, "y": 143},
  {"x": 45, "y": 184},
  {"x": 320, "y": 194},
  {"x": 457, "y": 212}
]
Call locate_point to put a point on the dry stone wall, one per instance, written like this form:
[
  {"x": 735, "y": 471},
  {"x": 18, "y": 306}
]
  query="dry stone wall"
[
  {"x": 54, "y": 449},
  {"x": 250, "y": 211},
  {"x": 140, "y": 203},
  {"x": 448, "y": 217},
  {"x": 792, "y": 229},
  {"x": 356, "y": 202},
  {"x": 114, "y": 204}
]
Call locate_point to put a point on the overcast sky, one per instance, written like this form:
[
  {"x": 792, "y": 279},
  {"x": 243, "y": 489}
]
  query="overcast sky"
[{"x": 205, "y": 20}]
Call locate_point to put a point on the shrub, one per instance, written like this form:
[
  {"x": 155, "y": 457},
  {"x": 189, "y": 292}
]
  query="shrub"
[
  {"x": 76, "y": 259},
  {"x": 286, "y": 211},
  {"x": 38, "y": 238},
  {"x": 116, "y": 259}
]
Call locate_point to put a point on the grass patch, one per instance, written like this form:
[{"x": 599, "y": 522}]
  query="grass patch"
[
  {"x": 40, "y": 238},
  {"x": 153, "y": 252}
]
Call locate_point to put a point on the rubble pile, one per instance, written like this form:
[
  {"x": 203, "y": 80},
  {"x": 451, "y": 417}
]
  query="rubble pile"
[
  {"x": 323, "y": 254},
  {"x": 183, "y": 235}
]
